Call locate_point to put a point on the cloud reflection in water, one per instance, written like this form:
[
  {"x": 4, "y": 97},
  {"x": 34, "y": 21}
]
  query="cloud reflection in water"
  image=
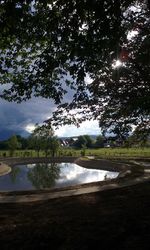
[{"x": 74, "y": 174}]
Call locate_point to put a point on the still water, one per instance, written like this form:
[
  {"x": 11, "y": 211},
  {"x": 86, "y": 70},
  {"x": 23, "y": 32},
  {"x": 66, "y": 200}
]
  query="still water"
[{"x": 41, "y": 176}]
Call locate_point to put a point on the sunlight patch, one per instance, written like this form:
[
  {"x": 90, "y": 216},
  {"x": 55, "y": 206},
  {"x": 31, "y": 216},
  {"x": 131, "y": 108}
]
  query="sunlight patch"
[{"x": 116, "y": 64}]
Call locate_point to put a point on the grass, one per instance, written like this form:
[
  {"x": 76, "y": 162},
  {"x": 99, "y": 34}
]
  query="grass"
[
  {"x": 120, "y": 152},
  {"x": 100, "y": 153}
]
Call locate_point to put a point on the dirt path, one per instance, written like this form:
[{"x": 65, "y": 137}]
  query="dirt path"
[{"x": 4, "y": 169}]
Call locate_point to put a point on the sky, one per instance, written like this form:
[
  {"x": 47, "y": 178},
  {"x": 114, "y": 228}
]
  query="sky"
[{"x": 21, "y": 118}]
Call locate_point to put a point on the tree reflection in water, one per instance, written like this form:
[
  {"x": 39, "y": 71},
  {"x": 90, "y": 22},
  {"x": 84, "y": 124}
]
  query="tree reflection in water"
[
  {"x": 14, "y": 173},
  {"x": 44, "y": 175}
]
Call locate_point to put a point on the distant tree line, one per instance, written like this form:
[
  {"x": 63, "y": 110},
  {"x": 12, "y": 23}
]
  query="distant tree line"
[
  {"x": 85, "y": 141},
  {"x": 15, "y": 141},
  {"x": 138, "y": 138},
  {"x": 43, "y": 139}
]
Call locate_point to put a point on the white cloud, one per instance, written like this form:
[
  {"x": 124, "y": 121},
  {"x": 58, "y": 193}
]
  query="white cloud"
[
  {"x": 29, "y": 128},
  {"x": 87, "y": 127}
]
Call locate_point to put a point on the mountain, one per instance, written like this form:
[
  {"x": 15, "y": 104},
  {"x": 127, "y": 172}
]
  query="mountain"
[{"x": 69, "y": 137}]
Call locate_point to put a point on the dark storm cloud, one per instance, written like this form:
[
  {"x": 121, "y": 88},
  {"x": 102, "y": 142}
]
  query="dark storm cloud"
[{"x": 15, "y": 117}]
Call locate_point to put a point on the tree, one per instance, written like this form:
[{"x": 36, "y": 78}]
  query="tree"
[
  {"x": 142, "y": 135},
  {"x": 48, "y": 46},
  {"x": 89, "y": 141},
  {"x": 80, "y": 142},
  {"x": 83, "y": 141},
  {"x": 35, "y": 141},
  {"x": 120, "y": 130},
  {"x": 3, "y": 145},
  {"x": 46, "y": 134},
  {"x": 119, "y": 96},
  {"x": 139, "y": 137},
  {"x": 54, "y": 145},
  {"x": 43, "y": 139},
  {"x": 23, "y": 141},
  {"x": 99, "y": 141},
  {"x": 13, "y": 144},
  {"x": 40, "y": 138}
]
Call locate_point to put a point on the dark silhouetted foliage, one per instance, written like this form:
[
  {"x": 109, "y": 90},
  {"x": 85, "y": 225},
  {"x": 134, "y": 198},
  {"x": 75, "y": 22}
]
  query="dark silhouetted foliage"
[{"x": 49, "y": 47}]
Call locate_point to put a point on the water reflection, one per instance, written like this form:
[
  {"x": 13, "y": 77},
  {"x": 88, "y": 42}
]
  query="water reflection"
[
  {"x": 76, "y": 175},
  {"x": 14, "y": 173},
  {"x": 40, "y": 176},
  {"x": 44, "y": 175}
]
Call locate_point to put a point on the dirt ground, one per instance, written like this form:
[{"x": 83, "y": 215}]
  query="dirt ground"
[
  {"x": 4, "y": 169},
  {"x": 112, "y": 219}
]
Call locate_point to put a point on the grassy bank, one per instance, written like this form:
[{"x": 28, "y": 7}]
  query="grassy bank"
[{"x": 101, "y": 152}]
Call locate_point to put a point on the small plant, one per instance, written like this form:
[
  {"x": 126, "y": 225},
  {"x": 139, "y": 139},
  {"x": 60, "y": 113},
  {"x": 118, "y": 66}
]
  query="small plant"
[{"x": 83, "y": 151}]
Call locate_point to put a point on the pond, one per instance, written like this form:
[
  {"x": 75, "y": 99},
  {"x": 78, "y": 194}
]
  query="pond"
[{"x": 41, "y": 176}]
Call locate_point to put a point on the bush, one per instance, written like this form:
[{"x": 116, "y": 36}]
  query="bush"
[{"x": 83, "y": 152}]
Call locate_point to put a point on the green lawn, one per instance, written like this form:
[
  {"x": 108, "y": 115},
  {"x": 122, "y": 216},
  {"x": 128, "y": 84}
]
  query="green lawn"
[
  {"x": 120, "y": 152},
  {"x": 101, "y": 152}
]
